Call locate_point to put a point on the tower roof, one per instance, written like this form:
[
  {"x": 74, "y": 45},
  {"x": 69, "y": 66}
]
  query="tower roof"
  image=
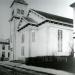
[{"x": 19, "y": 1}]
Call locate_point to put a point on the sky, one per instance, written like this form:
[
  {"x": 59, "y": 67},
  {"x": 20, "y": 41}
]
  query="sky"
[{"x": 57, "y": 7}]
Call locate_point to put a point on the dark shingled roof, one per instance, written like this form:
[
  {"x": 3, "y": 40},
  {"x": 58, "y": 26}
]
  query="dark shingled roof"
[
  {"x": 54, "y": 17},
  {"x": 19, "y": 1},
  {"x": 72, "y": 5}
]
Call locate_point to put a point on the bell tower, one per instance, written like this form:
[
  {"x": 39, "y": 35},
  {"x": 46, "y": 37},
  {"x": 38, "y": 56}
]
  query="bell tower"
[{"x": 19, "y": 8}]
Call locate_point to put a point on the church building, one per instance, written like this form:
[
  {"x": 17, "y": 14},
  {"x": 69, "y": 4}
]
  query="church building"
[
  {"x": 4, "y": 49},
  {"x": 35, "y": 33}
]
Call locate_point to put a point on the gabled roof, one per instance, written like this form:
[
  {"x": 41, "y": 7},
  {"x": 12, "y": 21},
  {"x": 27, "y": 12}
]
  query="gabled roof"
[
  {"x": 54, "y": 17},
  {"x": 19, "y": 1}
]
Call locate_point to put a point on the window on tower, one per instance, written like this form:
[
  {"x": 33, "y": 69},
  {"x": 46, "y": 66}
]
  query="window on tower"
[
  {"x": 12, "y": 12},
  {"x": 18, "y": 11},
  {"x": 22, "y": 12}
]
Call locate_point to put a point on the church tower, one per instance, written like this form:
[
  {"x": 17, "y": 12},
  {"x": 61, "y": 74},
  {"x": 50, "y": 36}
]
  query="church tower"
[{"x": 19, "y": 8}]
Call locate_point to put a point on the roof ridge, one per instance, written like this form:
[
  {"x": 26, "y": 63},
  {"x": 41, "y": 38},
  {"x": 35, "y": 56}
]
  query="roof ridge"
[{"x": 55, "y": 17}]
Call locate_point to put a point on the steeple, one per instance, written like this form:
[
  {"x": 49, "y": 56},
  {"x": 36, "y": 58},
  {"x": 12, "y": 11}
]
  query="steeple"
[
  {"x": 19, "y": 8},
  {"x": 19, "y": 1}
]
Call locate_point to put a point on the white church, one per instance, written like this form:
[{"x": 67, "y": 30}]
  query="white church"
[{"x": 35, "y": 33}]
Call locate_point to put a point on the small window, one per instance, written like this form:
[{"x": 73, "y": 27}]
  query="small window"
[
  {"x": 22, "y": 51},
  {"x": 18, "y": 11},
  {"x": 3, "y": 47},
  {"x": 12, "y": 12},
  {"x": 22, "y": 12},
  {"x": 3, "y": 54},
  {"x": 22, "y": 38},
  {"x": 33, "y": 36}
]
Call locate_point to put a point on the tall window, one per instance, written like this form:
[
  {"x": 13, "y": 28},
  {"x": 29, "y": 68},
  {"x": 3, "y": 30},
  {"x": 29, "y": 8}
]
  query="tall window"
[
  {"x": 3, "y": 47},
  {"x": 59, "y": 40},
  {"x": 18, "y": 11},
  {"x": 8, "y": 47},
  {"x": 33, "y": 36},
  {"x": 22, "y": 38},
  {"x": 22, "y": 51},
  {"x": 11, "y": 39}
]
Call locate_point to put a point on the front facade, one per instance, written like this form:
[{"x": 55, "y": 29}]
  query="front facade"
[
  {"x": 35, "y": 33},
  {"x": 4, "y": 49}
]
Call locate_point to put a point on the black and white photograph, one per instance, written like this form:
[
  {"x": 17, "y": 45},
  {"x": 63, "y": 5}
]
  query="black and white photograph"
[{"x": 37, "y": 37}]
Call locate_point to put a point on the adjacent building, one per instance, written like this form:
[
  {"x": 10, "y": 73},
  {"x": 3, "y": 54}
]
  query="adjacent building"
[
  {"x": 4, "y": 48},
  {"x": 36, "y": 33}
]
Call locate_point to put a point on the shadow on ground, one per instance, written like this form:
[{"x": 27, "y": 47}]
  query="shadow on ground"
[{"x": 68, "y": 66}]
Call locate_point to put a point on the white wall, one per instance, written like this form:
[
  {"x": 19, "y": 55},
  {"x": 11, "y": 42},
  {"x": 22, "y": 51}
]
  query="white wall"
[{"x": 46, "y": 42}]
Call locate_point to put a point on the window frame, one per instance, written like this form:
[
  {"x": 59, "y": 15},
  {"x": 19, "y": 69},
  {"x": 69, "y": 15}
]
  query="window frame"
[
  {"x": 3, "y": 53},
  {"x": 3, "y": 47},
  {"x": 22, "y": 51},
  {"x": 23, "y": 38},
  {"x": 8, "y": 47},
  {"x": 33, "y": 36},
  {"x": 22, "y": 12},
  {"x": 18, "y": 11},
  {"x": 60, "y": 35},
  {"x": 12, "y": 12}
]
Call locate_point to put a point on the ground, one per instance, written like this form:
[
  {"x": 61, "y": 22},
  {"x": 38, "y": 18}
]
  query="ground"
[{"x": 68, "y": 66}]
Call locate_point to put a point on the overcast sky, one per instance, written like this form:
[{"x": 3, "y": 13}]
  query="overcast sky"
[{"x": 57, "y": 7}]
